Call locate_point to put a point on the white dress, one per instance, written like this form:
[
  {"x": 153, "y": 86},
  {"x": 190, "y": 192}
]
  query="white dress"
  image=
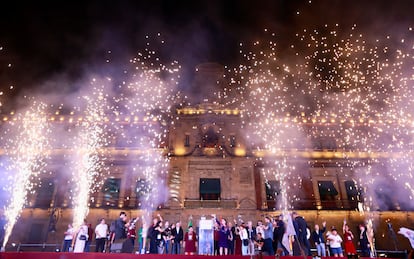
[{"x": 80, "y": 244}]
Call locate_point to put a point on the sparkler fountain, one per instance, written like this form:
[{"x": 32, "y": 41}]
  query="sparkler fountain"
[
  {"x": 88, "y": 161},
  {"x": 147, "y": 95},
  {"x": 358, "y": 87},
  {"x": 27, "y": 153}
]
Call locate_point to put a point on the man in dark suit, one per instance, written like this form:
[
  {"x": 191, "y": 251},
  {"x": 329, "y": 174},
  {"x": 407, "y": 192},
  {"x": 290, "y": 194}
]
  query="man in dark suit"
[
  {"x": 363, "y": 241},
  {"x": 300, "y": 228},
  {"x": 178, "y": 236},
  {"x": 119, "y": 233},
  {"x": 278, "y": 233}
]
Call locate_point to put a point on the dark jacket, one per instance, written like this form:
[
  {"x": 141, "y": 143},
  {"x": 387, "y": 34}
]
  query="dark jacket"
[
  {"x": 251, "y": 233},
  {"x": 178, "y": 237},
  {"x": 120, "y": 231},
  {"x": 279, "y": 231},
  {"x": 300, "y": 227},
  {"x": 317, "y": 237}
]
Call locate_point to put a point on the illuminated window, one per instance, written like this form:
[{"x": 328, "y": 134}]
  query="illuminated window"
[
  {"x": 210, "y": 188},
  {"x": 110, "y": 191}
]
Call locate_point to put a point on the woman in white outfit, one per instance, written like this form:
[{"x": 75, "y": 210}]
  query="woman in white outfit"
[
  {"x": 81, "y": 238},
  {"x": 245, "y": 239}
]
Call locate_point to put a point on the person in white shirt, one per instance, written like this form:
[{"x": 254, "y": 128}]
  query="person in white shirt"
[
  {"x": 335, "y": 242},
  {"x": 67, "y": 243},
  {"x": 81, "y": 237},
  {"x": 260, "y": 228},
  {"x": 101, "y": 232},
  {"x": 244, "y": 238}
]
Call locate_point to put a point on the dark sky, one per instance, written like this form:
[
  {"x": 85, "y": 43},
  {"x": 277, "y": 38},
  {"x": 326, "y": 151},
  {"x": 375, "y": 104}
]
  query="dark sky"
[{"x": 49, "y": 39}]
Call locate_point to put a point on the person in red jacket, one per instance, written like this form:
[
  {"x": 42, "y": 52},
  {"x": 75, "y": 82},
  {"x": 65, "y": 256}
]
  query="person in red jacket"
[
  {"x": 190, "y": 242},
  {"x": 348, "y": 241}
]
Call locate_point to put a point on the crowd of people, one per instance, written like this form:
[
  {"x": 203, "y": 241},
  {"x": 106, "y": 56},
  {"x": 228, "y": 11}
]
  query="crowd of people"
[{"x": 281, "y": 235}]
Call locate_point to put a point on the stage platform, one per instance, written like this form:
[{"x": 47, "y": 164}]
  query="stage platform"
[{"x": 60, "y": 255}]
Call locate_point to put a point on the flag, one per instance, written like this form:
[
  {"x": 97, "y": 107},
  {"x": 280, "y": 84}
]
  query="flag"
[
  {"x": 190, "y": 221},
  {"x": 408, "y": 233},
  {"x": 289, "y": 233}
]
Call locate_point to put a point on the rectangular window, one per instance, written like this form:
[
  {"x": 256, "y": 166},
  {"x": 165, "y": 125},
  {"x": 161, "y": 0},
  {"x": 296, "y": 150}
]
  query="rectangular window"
[
  {"x": 327, "y": 190},
  {"x": 232, "y": 141},
  {"x": 110, "y": 191},
  {"x": 272, "y": 190},
  {"x": 187, "y": 140},
  {"x": 352, "y": 191},
  {"x": 210, "y": 188}
]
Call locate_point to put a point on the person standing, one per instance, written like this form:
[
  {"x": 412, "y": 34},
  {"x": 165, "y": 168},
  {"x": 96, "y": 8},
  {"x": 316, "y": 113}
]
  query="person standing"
[
  {"x": 232, "y": 237},
  {"x": 90, "y": 236},
  {"x": 190, "y": 242},
  {"x": 317, "y": 237},
  {"x": 81, "y": 238},
  {"x": 278, "y": 233},
  {"x": 268, "y": 236},
  {"x": 160, "y": 238},
  {"x": 128, "y": 245},
  {"x": 364, "y": 242},
  {"x": 178, "y": 236},
  {"x": 154, "y": 234},
  {"x": 260, "y": 242},
  {"x": 224, "y": 234},
  {"x": 119, "y": 233},
  {"x": 120, "y": 230},
  {"x": 142, "y": 238},
  {"x": 167, "y": 237},
  {"x": 244, "y": 237},
  {"x": 335, "y": 242},
  {"x": 260, "y": 228},
  {"x": 300, "y": 226},
  {"x": 251, "y": 232},
  {"x": 349, "y": 240},
  {"x": 101, "y": 232},
  {"x": 67, "y": 242},
  {"x": 216, "y": 238}
]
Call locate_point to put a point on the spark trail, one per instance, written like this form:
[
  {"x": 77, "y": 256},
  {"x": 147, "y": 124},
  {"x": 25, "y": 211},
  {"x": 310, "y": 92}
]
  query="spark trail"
[
  {"x": 27, "y": 146},
  {"x": 88, "y": 162}
]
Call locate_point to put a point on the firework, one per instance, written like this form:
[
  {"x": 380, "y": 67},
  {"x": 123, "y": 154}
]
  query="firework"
[
  {"x": 87, "y": 162},
  {"x": 148, "y": 95},
  {"x": 330, "y": 84},
  {"x": 27, "y": 152}
]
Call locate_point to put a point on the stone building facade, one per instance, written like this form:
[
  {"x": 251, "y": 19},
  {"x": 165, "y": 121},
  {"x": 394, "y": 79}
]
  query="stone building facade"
[{"x": 214, "y": 169}]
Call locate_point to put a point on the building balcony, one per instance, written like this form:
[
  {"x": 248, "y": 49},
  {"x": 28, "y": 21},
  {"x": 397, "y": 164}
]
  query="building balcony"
[{"x": 220, "y": 203}]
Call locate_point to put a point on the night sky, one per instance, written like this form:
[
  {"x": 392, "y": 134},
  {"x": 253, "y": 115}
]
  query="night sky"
[{"x": 50, "y": 41}]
